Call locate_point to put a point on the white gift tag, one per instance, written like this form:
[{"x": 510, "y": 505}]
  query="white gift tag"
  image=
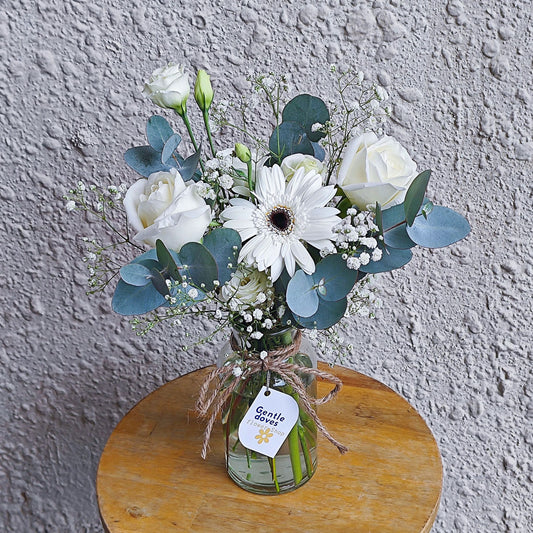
[{"x": 268, "y": 421}]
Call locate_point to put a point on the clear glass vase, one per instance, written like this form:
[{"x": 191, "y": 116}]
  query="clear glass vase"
[{"x": 296, "y": 460}]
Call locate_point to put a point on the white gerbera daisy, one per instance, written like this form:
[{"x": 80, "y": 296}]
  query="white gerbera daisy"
[{"x": 285, "y": 215}]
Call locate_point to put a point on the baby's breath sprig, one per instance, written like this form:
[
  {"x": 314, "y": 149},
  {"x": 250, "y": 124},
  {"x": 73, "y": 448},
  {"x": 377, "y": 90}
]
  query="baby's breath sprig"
[
  {"x": 358, "y": 106},
  {"x": 362, "y": 302},
  {"x": 103, "y": 204},
  {"x": 275, "y": 88}
]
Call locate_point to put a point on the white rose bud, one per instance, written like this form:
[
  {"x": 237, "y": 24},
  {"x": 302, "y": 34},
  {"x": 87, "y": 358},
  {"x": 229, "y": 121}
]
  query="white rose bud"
[
  {"x": 168, "y": 87},
  {"x": 296, "y": 161},
  {"x": 164, "y": 207},
  {"x": 376, "y": 170}
]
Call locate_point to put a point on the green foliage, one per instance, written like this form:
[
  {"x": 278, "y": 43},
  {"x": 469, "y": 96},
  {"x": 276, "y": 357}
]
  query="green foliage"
[
  {"x": 295, "y": 134},
  {"x": 224, "y": 244},
  {"x": 334, "y": 279},
  {"x": 187, "y": 168},
  {"x": 392, "y": 259},
  {"x": 318, "y": 152},
  {"x": 309, "y": 296},
  {"x": 198, "y": 265},
  {"x": 158, "y": 132},
  {"x": 379, "y": 218},
  {"x": 289, "y": 138},
  {"x": 145, "y": 160},
  {"x": 168, "y": 260},
  {"x": 415, "y": 196},
  {"x": 306, "y": 111},
  {"x": 131, "y": 300},
  {"x": 135, "y": 274},
  {"x": 159, "y": 281},
  {"x": 398, "y": 238},
  {"x": 427, "y": 208},
  {"x": 343, "y": 205},
  {"x": 327, "y": 315},
  {"x": 302, "y": 294},
  {"x": 161, "y": 153},
  {"x": 169, "y": 147},
  {"x": 441, "y": 227}
]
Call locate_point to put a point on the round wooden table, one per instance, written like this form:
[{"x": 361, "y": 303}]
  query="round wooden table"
[{"x": 151, "y": 477}]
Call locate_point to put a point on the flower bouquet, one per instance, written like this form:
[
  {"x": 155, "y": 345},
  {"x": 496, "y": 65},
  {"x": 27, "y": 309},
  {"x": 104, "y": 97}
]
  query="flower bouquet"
[{"x": 274, "y": 236}]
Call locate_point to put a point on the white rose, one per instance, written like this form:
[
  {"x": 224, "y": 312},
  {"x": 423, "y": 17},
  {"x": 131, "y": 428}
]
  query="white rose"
[
  {"x": 169, "y": 87},
  {"x": 245, "y": 286},
  {"x": 295, "y": 161},
  {"x": 163, "y": 207},
  {"x": 376, "y": 170}
]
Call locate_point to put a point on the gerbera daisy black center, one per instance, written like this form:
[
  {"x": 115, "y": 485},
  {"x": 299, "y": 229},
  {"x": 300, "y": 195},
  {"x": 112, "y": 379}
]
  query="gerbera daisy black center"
[{"x": 281, "y": 219}]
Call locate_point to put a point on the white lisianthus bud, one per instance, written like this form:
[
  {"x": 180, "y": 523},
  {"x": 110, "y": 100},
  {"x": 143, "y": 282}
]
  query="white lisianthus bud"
[
  {"x": 243, "y": 153},
  {"x": 169, "y": 88},
  {"x": 203, "y": 91}
]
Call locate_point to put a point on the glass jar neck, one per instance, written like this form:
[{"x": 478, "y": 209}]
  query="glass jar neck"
[{"x": 269, "y": 341}]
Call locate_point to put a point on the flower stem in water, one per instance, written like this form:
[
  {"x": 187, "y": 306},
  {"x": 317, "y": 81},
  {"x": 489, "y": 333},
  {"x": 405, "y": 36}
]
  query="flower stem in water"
[
  {"x": 294, "y": 452},
  {"x": 272, "y": 462},
  {"x": 305, "y": 450}
]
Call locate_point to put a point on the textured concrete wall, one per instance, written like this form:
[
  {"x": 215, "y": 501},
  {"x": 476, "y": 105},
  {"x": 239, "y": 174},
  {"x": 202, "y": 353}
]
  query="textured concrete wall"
[{"x": 454, "y": 333}]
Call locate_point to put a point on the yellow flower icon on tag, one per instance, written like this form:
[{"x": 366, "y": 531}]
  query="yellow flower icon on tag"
[{"x": 263, "y": 436}]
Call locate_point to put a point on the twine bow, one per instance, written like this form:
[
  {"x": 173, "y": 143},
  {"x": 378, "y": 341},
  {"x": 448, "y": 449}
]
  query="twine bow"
[{"x": 273, "y": 362}]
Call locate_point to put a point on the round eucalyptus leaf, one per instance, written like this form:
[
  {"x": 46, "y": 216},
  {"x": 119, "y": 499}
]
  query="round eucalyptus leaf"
[
  {"x": 159, "y": 282},
  {"x": 144, "y": 160},
  {"x": 302, "y": 297},
  {"x": 442, "y": 227},
  {"x": 187, "y": 168},
  {"x": 333, "y": 278},
  {"x": 307, "y": 110},
  {"x": 198, "y": 265},
  {"x": 132, "y": 300},
  {"x": 392, "y": 259},
  {"x": 281, "y": 284},
  {"x": 392, "y": 216},
  {"x": 185, "y": 297},
  {"x": 135, "y": 274},
  {"x": 150, "y": 264},
  {"x": 150, "y": 254},
  {"x": 158, "y": 131},
  {"x": 319, "y": 152},
  {"x": 327, "y": 315},
  {"x": 224, "y": 244},
  {"x": 289, "y": 138},
  {"x": 170, "y": 145},
  {"x": 398, "y": 238}
]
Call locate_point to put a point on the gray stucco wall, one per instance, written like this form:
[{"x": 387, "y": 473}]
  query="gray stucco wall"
[{"x": 454, "y": 335}]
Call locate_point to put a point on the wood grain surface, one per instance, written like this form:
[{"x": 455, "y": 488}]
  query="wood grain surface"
[{"x": 151, "y": 477}]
